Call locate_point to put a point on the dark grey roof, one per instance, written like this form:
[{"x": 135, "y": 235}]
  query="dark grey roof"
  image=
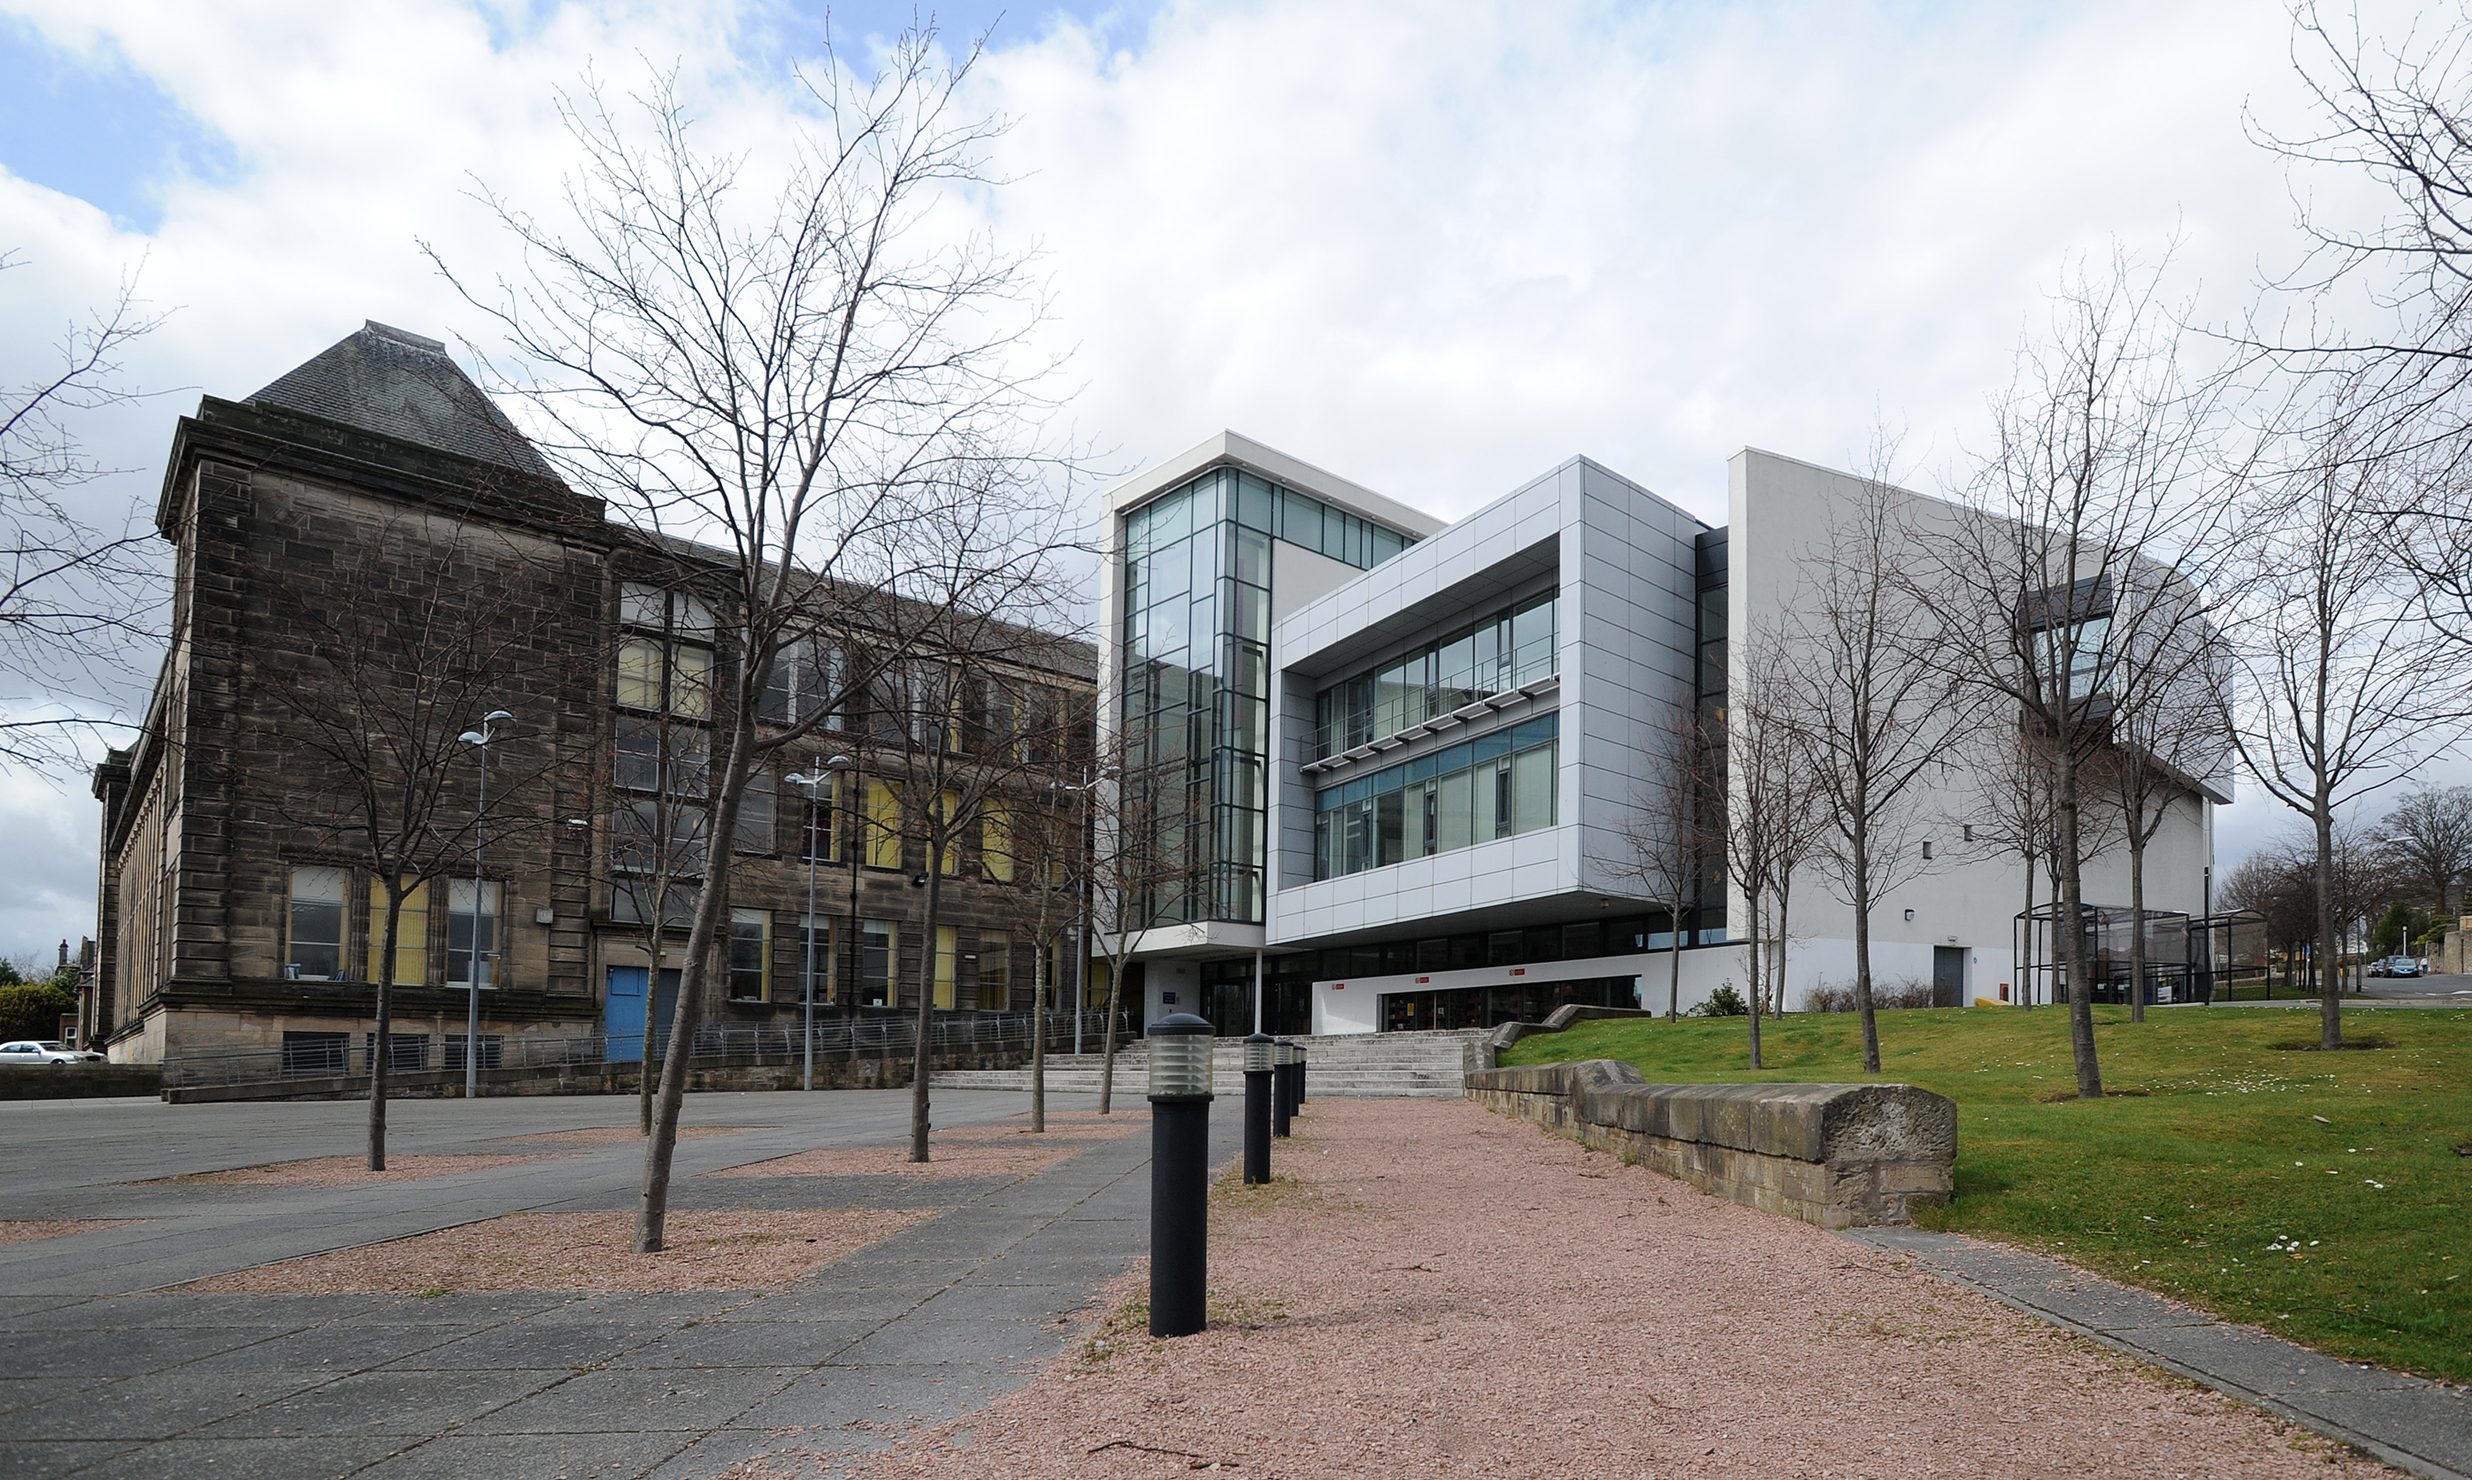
[{"x": 403, "y": 385}]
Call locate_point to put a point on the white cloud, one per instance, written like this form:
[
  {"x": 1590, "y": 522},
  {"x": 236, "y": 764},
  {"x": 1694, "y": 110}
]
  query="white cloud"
[{"x": 1436, "y": 250}]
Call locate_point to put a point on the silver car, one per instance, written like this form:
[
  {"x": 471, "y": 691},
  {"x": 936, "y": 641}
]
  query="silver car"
[{"x": 33, "y": 1051}]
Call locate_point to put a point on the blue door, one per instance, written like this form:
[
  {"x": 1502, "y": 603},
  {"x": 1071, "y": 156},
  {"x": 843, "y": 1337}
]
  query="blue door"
[{"x": 622, "y": 1018}]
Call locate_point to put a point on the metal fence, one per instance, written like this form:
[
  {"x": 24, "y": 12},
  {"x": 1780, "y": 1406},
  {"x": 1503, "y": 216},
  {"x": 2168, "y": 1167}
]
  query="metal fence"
[{"x": 861, "y": 1036}]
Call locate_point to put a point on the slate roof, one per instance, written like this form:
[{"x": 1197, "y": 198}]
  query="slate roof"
[{"x": 403, "y": 385}]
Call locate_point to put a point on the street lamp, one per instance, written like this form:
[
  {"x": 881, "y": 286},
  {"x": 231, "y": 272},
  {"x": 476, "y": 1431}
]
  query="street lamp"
[
  {"x": 1180, "y": 1062},
  {"x": 840, "y": 767},
  {"x": 1081, "y": 969},
  {"x": 479, "y": 741},
  {"x": 806, "y": 932}
]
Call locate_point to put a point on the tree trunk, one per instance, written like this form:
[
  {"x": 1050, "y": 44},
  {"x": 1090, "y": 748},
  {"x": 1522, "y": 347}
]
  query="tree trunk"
[
  {"x": 1107, "y": 1038},
  {"x": 1779, "y": 980},
  {"x": 652, "y": 994},
  {"x": 1038, "y": 1034},
  {"x": 2330, "y": 959},
  {"x": 652, "y": 1210},
  {"x": 378, "y": 1054},
  {"x": 2023, "y": 943},
  {"x": 1862, "y": 948},
  {"x": 2072, "y": 935},
  {"x": 2137, "y": 916},
  {"x": 1753, "y": 903},
  {"x": 937, "y": 843},
  {"x": 1673, "y": 964}
]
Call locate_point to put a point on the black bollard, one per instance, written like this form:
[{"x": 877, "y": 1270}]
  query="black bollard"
[
  {"x": 1258, "y": 1049},
  {"x": 1300, "y": 1077},
  {"x": 1180, "y": 1054},
  {"x": 1282, "y": 1068}
]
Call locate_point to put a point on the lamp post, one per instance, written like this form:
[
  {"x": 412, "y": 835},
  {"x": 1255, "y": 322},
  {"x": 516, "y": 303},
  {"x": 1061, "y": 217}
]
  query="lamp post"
[
  {"x": 479, "y": 741},
  {"x": 1081, "y": 968},
  {"x": 1258, "y": 1051},
  {"x": 1282, "y": 1067},
  {"x": 1300, "y": 1079},
  {"x": 1180, "y": 1054},
  {"x": 806, "y": 933}
]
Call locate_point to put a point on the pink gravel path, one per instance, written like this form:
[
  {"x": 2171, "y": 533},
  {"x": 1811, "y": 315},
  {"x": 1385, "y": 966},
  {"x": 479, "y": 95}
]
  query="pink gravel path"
[{"x": 1450, "y": 1293}]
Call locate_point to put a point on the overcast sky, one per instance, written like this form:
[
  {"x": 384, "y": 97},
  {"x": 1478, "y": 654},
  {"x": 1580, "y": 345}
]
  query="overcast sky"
[{"x": 1436, "y": 248}]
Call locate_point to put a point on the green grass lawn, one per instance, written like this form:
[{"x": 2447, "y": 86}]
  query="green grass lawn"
[{"x": 2326, "y": 1197}]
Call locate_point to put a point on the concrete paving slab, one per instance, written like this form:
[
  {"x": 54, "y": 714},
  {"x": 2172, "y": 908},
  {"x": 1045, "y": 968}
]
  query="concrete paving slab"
[
  {"x": 324, "y": 1457},
  {"x": 836, "y": 1397},
  {"x": 30, "y": 1392},
  {"x": 568, "y": 1456},
  {"x": 519, "y": 1345},
  {"x": 1034, "y": 1303},
  {"x": 749, "y": 1344},
  {"x": 655, "y": 1399},
  {"x": 162, "y": 1404},
  {"x": 335, "y": 1349},
  {"x": 833, "y": 1301},
  {"x": 975, "y": 1341},
  {"x": 30, "y": 1460},
  {"x": 72, "y": 1351},
  {"x": 415, "y": 1405},
  {"x": 809, "y": 1452}
]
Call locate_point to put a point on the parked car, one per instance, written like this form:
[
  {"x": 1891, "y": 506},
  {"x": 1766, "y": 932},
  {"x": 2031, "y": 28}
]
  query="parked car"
[
  {"x": 29, "y": 1051},
  {"x": 2401, "y": 966}
]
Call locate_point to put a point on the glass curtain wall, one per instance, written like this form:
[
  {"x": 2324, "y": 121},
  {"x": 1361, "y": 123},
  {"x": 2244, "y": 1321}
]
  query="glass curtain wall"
[
  {"x": 1196, "y": 684},
  {"x": 1497, "y": 785},
  {"x": 1505, "y": 650}
]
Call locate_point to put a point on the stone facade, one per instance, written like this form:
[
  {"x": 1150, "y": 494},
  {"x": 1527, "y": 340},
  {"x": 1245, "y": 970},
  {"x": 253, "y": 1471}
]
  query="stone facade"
[
  {"x": 375, "y": 482},
  {"x": 1838, "y": 1155}
]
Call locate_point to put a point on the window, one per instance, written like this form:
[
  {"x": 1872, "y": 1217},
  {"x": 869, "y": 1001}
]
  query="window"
[
  {"x": 879, "y": 946},
  {"x": 948, "y": 812},
  {"x": 750, "y": 956},
  {"x": 412, "y": 935},
  {"x": 315, "y": 951},
  {"x": 802, "y": 684},
  {"x": 638, "y": 845},
  {"x": 655, "y": 754},
  {"x": 665, "y": 658},
  {"x": 816, "y": 958},
  {"x": 996, "y": 842},
  {"x": 459, "y": 922},
  {"x": 820, "y": 838},
  {"x": 883, "y": 825},
  {"x": 995, "y": 971},
  {"x": 754, "y": 830},
  {"x": 1926, "y": 852},
  {"x": 407, "y": 1053},
  {"x": 948, "y": 954},
  {"x": 1969, "y": 832},
  {"x": 1500, "y": 784},
  {"x": 1507, "y": 649}
]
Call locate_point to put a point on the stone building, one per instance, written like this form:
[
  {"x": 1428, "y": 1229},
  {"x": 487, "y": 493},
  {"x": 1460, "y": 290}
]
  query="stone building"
[{"x": 368, "y": 559}]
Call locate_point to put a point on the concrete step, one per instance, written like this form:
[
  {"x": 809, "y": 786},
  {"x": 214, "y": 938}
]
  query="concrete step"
[{"x": 1348, "y": 1066}]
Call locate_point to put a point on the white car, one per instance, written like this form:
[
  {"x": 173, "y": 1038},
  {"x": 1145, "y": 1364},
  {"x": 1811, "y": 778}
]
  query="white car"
[{"x": 29, "y": 1051}]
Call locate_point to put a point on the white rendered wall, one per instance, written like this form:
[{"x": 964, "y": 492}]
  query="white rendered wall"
[{"x": 1781, "y": 511}]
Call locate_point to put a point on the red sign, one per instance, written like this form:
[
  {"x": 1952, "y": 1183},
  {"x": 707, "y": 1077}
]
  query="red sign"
[
  {"x": 1519, "y": 971},
  {"x": 1420, "y": 981},
  {"x": 1338, "y": 986}
]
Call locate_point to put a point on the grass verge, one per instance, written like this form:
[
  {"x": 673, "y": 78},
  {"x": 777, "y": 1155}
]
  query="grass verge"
[{"x": 2326, "y": 1197}]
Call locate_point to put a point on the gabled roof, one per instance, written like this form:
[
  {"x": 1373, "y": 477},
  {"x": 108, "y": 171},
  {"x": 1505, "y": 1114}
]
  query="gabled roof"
[{"x": 403, "y": 385}]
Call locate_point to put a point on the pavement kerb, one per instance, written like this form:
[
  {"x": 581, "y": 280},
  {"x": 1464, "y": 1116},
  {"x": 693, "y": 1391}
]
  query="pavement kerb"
[{"x": 1900, "y": 1241}]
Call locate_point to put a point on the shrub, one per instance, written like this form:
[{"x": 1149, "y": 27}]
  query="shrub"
[
  {"x": 1723, "y": 1002},
  {"x": 1884, "y": 995},
  {"x": 33, "y": 1009}
]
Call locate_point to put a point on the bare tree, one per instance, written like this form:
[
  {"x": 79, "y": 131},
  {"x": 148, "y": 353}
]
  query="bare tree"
[
  {"x": 2429, "y": 832},
  {"x": 796, "y": 373},
  {"x": 2102, "y": 477},
  {"x": 1145, "y": 837},
  {"x": 1046, "y": 849},
  {"x": 1772, "y": 819},
  {"x": 1876, "y": 717},
  {"x": 1676, "y": 815},
  {"x": 2341, "y": 684},
  {"x": 419, "y": 635},
  {"x": 961, "y": 740},
  {"x": 2165, "y": 732},
  {"x": 73, "y": 597}
]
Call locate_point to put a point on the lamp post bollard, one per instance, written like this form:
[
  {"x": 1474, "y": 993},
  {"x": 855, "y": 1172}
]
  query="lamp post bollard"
[
  {"x": 1180, "y": 1054},
  {"x": 1258, "y": 1052},
  {"x": 1300, "y": 1078},
  {"x": 1282, "y": 1067}
]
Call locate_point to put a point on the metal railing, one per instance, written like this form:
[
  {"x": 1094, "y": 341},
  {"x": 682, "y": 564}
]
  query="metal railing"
[{"x": 879, "y": 1035}]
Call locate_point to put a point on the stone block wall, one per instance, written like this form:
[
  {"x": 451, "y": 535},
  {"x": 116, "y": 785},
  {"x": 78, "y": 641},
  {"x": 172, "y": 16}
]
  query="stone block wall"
[{"x": 1838, "y": 1155}]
